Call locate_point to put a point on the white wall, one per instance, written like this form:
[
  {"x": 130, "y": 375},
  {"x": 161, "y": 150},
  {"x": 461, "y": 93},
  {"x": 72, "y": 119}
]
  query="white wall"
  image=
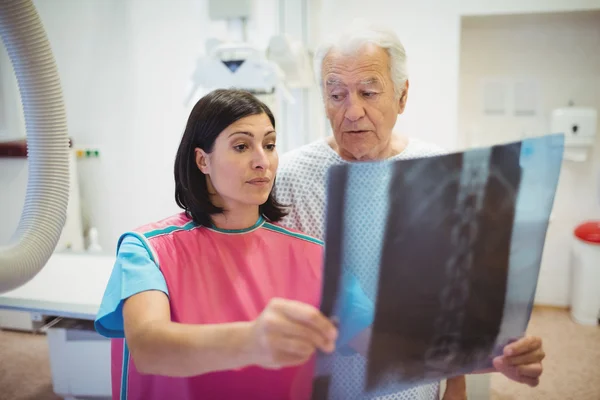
[
  {"x": 430, "y": 31},
  {"x": 561, "y": 54},
  {"x": 125, "y": 69},
  {"x": 489, "y": 7}
]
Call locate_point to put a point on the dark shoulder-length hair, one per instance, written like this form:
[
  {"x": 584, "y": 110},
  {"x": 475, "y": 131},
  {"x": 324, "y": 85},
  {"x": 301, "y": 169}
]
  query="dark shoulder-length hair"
[{"x": 209, "y": 117}]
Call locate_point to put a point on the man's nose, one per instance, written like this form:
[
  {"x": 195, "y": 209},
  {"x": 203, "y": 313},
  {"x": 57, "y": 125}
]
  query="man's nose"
[{"x": 355, "y": 109}]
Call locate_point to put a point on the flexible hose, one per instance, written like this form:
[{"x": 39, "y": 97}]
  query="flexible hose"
[{"x": 44, "y": 213}]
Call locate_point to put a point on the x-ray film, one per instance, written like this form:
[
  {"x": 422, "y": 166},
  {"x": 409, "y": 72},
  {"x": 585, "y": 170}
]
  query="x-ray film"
[{"x": 448, "y": 251}]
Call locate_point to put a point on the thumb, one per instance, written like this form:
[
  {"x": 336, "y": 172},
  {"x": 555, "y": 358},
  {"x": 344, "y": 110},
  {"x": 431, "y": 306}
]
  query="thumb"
[
  {"x": 499, "y": 363},
  {"x": 502, "y": 366}
]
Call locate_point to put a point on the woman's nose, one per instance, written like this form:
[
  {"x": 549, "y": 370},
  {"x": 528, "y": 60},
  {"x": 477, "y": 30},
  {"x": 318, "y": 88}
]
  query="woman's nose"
[{"x": 260, "y": 161}]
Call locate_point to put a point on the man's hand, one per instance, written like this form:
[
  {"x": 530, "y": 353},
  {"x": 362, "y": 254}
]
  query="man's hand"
[
  {"x": 456, "y": 389},
  {"x": 522, "y": 361}
]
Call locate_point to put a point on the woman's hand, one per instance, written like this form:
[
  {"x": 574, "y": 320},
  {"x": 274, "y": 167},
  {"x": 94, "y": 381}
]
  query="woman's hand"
[{"x": 288, "y": 332}]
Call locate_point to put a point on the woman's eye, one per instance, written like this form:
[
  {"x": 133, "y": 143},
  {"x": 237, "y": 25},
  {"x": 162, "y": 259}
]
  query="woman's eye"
[
  {"x": 240, "y": 147},
  {"x": 270, "y": 147}
]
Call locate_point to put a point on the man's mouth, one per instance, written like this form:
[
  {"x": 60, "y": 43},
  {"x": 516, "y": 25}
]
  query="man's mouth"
[{"x": 357, "y": 132}]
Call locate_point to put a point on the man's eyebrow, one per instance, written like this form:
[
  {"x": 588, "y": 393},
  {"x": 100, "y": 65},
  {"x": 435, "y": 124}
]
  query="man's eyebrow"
[
  {"x": 338, "y": 82},
  {"x": 370, "y": 81},
  {"x": 333, "y": 82}
]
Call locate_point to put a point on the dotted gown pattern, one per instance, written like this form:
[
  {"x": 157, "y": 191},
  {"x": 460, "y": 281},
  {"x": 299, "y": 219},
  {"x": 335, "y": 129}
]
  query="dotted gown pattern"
[{"x": 302, "y": 185}]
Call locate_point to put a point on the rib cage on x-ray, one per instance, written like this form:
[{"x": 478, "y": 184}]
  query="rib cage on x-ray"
[{"x": 454, "y": 282}]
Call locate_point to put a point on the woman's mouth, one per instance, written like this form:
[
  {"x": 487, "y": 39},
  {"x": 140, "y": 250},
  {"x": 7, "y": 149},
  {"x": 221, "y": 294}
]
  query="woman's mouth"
[{"x": 259, "y": 181}]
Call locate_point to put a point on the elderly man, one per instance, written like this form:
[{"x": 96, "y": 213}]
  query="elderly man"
[{"x": 364, "y": 84}]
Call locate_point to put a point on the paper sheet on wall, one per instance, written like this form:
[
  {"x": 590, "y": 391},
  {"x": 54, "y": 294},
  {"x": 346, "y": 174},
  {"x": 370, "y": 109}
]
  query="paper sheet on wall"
[{"x": 448, "y": 249}]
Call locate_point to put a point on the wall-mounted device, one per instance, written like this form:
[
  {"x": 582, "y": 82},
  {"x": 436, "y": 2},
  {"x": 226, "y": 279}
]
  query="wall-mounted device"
[{"x": 579, "y": 125}]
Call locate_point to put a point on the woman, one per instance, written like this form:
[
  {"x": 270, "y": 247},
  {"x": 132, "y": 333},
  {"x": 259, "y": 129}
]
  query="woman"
[{"x": 219, "y": 302}]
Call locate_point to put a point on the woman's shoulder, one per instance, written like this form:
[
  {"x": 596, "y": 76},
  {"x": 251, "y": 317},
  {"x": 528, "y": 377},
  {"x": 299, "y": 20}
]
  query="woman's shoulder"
[
  {"x": 179, "y": 221},
  {"x": 146, "y": 235}
]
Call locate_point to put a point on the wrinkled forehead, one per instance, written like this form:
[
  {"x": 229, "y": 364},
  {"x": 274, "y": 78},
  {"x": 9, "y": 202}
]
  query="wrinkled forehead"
[{"x": 365, "y": 65}]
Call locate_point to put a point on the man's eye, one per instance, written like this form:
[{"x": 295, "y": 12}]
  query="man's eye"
[
  {"x": 369, "y": 94},
  {"x": 337, "y": 96}
]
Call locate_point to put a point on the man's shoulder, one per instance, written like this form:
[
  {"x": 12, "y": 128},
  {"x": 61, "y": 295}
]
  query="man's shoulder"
[
  {"x": 309, "y": 156},
  {"x": 420, "y": 148}
]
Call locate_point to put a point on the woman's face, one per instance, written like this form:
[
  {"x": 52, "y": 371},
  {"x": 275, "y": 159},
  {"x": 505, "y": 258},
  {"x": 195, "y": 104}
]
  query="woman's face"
[{"x": 240, "y": 170}]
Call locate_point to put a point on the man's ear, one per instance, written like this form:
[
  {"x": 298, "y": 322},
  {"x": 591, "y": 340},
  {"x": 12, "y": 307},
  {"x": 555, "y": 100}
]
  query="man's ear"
[
  {"x": 202, "y": 160},
  {"x": 403, "y": 98}
]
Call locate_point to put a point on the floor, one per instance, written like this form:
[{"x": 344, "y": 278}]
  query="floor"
[{"x": 572, "y": 366}]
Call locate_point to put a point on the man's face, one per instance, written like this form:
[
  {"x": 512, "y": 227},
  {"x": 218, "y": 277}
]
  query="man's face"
[{"x": 360, "y": 102}]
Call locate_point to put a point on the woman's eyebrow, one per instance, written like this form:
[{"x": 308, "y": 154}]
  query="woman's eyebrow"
[{"x": 241, "y": 133}]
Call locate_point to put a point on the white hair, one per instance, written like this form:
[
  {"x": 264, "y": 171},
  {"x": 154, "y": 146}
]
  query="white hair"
[{"x": 362, "y": 33}]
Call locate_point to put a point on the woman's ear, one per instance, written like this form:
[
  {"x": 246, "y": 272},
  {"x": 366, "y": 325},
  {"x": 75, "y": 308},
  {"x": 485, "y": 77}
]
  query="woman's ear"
[{"x": 202, "y": 161}]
